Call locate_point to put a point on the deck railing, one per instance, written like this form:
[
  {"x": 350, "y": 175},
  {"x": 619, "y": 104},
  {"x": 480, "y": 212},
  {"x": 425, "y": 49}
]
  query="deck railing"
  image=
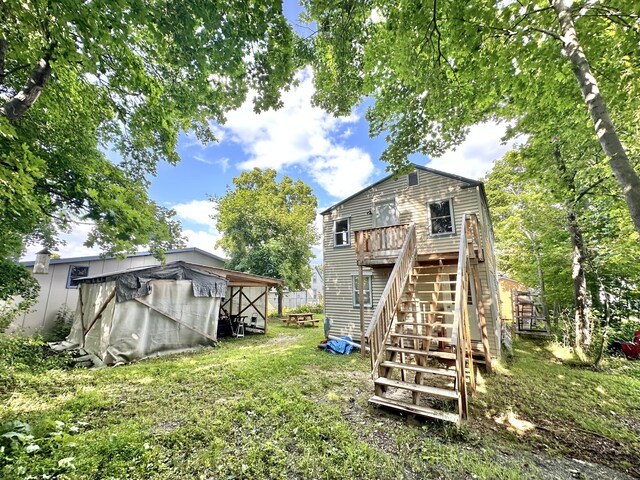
[
  {"x": 388, "y": 305},
  {"x": 461, "y": 335},
  {"x": 379, "y": 242}
]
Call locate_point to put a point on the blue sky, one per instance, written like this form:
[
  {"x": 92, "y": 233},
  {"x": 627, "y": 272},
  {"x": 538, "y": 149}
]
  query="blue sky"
[{"x": 333, "y": 155}]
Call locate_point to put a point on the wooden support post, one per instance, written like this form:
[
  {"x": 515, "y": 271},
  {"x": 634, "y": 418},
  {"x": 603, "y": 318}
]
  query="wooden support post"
[
  {"x": 101, "y": 310},
  {"x": 266, "y": 308},
  {"x": 475, "y": 271},
  {"x": 240, "y": 302},
  {"x": 361, "y": 303}
]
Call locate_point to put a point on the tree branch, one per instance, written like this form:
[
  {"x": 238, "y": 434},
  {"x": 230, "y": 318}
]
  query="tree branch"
[{"x": 13, "y": 109}]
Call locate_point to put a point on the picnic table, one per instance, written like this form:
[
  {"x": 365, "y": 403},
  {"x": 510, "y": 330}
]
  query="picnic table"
[{"x": 300, "y": 319}]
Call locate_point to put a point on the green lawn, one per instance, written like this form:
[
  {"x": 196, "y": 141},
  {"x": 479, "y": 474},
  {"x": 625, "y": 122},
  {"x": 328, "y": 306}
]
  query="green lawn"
[{"x": 278, "y": 407}]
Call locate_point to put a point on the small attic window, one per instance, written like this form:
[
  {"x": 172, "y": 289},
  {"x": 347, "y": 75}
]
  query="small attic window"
[{"x": 413, "y": 179}]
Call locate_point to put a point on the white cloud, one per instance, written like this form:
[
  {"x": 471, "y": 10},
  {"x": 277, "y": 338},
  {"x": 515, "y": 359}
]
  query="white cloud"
[
  {"x": 73, "y": 244},
  {"x": 197, "y": 211},
  {"x": 205, "y": 240},
  {"x": 300, "y": 134},
  {"x": 476, "y": 155}
]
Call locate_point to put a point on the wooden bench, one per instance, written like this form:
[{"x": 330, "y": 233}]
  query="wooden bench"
[{"x": 300, "y": 319}]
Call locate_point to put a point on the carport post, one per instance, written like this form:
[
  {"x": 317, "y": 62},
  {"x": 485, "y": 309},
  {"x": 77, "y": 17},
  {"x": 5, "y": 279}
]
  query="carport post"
[{"x": 266, "y": 307}]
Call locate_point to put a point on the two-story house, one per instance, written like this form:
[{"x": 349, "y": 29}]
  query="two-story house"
[{"x": 427, "y": 305}]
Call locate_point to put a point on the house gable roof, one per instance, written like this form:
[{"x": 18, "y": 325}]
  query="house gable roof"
[{"x": 468, "y": 181}]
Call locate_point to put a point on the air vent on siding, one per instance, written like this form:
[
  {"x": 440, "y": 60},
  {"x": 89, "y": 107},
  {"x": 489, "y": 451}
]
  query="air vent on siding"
[{"x": 413, "y": 179}]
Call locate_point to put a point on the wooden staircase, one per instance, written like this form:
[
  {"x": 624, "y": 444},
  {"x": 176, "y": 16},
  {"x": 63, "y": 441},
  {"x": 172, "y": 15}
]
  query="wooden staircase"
[{"x": 419, "y": 339}]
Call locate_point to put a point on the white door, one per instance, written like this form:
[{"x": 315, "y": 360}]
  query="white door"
[
  {"x": 474, "y": 323},
  {"x": 385, "y": 213}
]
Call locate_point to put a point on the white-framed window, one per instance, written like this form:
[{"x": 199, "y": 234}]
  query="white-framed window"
[
  {"x": 385, "y": 213},
  {"x": 366, "y": 291},
  {"x": 413, "y": 179},
  {"x": 342, "y": 232},
  {"x": 76, "y": 272},
  {"x": 441, "y": 217}
]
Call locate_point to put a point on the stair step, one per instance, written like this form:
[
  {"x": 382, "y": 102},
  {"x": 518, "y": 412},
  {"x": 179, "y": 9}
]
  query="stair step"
[
  {"x": 433, "y": 391},
  {"x": 428, "y": 338},
  {"x": 430, "y": 353},
  {"x": 418, "y": 368},
  {"x": 433, "y": 325},
  {"x": 415, "y": 409}
]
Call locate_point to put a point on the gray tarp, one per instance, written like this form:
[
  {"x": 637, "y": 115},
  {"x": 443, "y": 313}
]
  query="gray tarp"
[{"x": 136, "y": 283}]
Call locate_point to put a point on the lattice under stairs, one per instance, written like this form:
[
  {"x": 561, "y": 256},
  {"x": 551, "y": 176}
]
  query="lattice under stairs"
[{"x": 418, "y": 374}]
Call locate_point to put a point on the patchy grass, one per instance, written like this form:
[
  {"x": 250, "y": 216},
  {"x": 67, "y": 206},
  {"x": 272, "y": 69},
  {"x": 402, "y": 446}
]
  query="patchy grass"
[
  {"x": 278, "y": 407},
  {"x": 564, "y": 407}
]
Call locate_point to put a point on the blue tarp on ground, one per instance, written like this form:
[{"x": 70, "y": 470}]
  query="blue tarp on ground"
[{"x": 338, "y": 346}]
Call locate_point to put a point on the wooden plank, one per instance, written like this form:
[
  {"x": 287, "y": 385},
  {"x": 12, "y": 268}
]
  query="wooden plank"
[
  {"x": 101, "y": 310},
  {"x": 432, "y": 391},
  {"x": 167, "y": 315},
  {"x": 427, "y": 338},
  {"x": 475, "y": 272},
  {"x": 419, "y": 368},
  {"x": 361, "y": 304},
  {"x": 432, "y": 353},
  {"x": 415, "y": 409},
  {"x": 266, "y": 307}
]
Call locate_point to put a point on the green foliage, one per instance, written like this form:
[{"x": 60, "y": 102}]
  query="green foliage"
[
  {"x": 434, "y": 69},
  {"x": 129, "y": 77},
  {"x": 19, "y": 447},
  {"x": 278, "y": 407},
  {"x": 267, "y": 226},
  {"x": 25, "y": 355},
  {"x": 319, "y": 308},
  {"x": 16, "y": 280},
  {"x": 61, "y": 326}
]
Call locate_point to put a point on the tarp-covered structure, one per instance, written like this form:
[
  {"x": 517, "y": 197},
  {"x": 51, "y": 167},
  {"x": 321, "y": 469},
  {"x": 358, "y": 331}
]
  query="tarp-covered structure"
[{"x": 132, "y": 314}]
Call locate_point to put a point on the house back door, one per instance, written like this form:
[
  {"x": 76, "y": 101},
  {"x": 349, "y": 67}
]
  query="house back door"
[{"x": 385, "y": 213}]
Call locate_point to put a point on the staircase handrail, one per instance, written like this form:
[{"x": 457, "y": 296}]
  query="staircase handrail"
[
  {"x": 385, "y": 311},
  {"x": 460, "y": 335}
]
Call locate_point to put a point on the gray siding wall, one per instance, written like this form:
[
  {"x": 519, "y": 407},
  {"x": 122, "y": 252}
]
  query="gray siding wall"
[
  {"x": 54, "y": 292},
  {"x": 411, "y": 203}
]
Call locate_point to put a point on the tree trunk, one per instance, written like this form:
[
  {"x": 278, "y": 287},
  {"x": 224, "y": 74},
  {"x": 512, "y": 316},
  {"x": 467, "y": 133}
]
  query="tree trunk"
[
  {"x": 280, "y": 295},
  {"x": 580, "y": 293},
  {"x": 624, "y": 173},
  {"x": 13, "y": 109},
  {"x": 543, "y": 293}
]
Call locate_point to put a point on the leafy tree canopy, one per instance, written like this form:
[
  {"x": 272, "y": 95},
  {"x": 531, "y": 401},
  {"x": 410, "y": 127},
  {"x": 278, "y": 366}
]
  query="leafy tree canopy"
[
  {"x": 435, "y": 68},
  {"x": 268, "y": 226},
  {"x": 80, "y": 78}
]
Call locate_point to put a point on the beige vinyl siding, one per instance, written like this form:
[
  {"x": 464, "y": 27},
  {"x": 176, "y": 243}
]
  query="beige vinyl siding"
[{"x": 412, "y": 205}]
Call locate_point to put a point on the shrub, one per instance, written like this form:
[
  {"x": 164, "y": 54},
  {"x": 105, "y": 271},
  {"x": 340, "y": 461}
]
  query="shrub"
[
  {"x": 61, "y": 326},
  {"x": 20, "y": 355}
]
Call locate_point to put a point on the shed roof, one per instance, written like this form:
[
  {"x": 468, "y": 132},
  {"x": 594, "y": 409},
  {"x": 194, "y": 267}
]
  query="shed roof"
[
  {"x": 470, "y": 182},
  {"x": 234, "y": 278}
]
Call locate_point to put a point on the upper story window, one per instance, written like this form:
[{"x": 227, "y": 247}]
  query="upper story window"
[
  {"x": 76, "y": 272},
  {"x": 441, "y": 217},
  {"x": 341, "y": 233},
  {"x": 413, "y": 179}
]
